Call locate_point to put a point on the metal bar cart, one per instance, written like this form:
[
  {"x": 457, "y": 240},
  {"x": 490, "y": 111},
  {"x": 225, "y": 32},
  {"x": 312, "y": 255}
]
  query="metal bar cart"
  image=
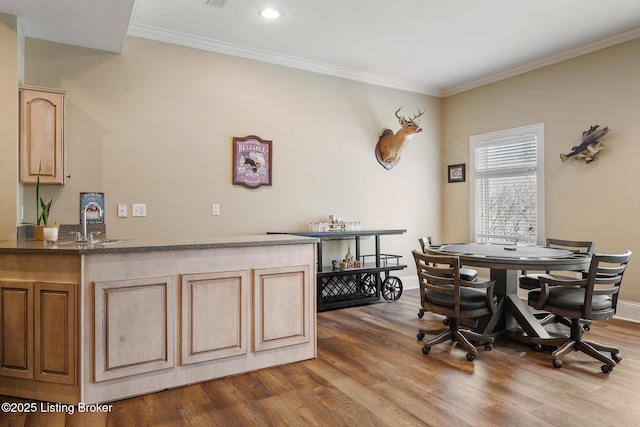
[{"x": 339, "y": 288}]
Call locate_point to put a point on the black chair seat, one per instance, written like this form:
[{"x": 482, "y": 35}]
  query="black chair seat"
[
  {"x": 470, "y": 299},
  {"x": 468, "y": 274},
  {"x": 571, "y": 299},
  {"x": 530, "y": 281}
]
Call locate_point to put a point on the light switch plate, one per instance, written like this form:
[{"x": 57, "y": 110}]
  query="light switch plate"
[
  {"x": 138, "y": 209},
  {"x": 122, "y": 210}
]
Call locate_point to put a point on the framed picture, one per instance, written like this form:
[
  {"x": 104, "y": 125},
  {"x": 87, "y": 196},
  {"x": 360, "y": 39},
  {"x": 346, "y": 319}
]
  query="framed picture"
[
  {"x": 251, "y": 161},
  {"x": 93, "y": 213},
  {"x": 456, "y": 173}
]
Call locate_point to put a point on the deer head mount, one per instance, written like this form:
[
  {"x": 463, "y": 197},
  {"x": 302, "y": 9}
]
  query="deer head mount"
[{"x": 390, "y": 145}]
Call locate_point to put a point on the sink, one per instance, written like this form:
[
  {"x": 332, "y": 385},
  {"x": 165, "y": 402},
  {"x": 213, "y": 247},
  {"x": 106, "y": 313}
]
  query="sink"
[
  {"x": 95, "y": 242},
  {"x": 109, "y": 241}
]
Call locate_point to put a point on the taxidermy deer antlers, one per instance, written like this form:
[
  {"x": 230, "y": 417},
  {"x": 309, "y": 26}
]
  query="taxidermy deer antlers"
[{"x": 390, "y": 145}]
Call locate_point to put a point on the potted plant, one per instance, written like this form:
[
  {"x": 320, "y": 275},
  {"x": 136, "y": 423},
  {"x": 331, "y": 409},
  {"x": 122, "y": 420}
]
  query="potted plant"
[{"x": 42, "y": 230}]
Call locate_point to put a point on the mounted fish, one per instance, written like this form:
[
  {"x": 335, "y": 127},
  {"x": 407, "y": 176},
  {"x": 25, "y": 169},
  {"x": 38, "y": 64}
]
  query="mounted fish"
[
  {"x": 590, "y": 146},
  {"x": 390, "y": 145}
]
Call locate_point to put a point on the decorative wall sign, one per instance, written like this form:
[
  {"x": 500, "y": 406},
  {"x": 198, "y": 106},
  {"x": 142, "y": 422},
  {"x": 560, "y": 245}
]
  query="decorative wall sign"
[
  {"x": 93, "y": 213},
  {"x": 251, "y": 161},
  {"x": 457, "y": 173}
]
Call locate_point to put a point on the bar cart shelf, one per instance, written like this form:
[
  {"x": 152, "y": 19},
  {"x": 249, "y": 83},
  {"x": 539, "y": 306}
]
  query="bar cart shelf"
[{"x": 339, "y": 288}]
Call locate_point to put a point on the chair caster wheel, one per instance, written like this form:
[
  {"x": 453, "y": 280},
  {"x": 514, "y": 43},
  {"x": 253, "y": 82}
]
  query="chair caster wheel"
[
  {"x": 420, "y": 336},
  {"x": 537, "y": 347},
  {"x": 488, "y": 346},
  {"x": 557, "y": 363},
  {"x": 446, "y": 321},
  {"x": 606, "y": 369},
  {"x": 421, "y": 314},
  {"x": 426, "y": 350},
  {"x": 470, "y": 357},
  {"x": 616, "y": 357}
]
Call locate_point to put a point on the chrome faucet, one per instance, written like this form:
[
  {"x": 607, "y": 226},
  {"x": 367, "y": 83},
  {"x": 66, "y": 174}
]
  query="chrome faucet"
[{"x": 84, "y": 237}]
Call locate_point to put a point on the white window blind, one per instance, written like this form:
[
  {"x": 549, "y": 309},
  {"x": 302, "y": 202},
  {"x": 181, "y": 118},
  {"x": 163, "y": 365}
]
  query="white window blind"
[{"x": 506, "y": 178}]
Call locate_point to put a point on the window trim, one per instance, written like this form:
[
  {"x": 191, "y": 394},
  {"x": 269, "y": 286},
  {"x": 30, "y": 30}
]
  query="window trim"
[{"x": 496, "y": 137}]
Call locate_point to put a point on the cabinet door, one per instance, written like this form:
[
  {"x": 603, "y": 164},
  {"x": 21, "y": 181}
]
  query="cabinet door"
[
  {"x": 281, "y": 307},
  {"x": 55, "y": 326},
  {"x": 213, "y": 316},
  {"x": 16, "y": 329},
  {"x": 133, "y": 326},
  {"x": 42, "y": 135}
]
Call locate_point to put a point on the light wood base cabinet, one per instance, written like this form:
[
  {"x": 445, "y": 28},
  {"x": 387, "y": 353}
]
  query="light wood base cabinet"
[
  {"x": 139, "y": 322},
  {"x": 163, "y": 320},
  {"x": 38, "y": 330}
]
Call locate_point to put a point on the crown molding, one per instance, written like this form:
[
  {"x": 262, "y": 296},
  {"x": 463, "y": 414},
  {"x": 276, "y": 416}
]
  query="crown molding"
[
  {"x": 171, "y": 37},
  {"x": 584, "y": 49},
  {"x": 201, "y": 43}
]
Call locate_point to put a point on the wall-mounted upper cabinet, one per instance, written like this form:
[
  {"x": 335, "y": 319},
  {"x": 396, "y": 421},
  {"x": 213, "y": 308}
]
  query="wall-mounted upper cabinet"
[{"x": 42, "y": 135}]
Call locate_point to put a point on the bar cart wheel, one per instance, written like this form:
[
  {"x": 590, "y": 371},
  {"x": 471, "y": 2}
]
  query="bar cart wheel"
[
  {"x": 392, "y": 288},
  {"x": 368, "y": 282}
]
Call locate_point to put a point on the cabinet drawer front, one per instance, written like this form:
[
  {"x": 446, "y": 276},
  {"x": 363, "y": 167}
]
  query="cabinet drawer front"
[{"x": 133, "y": 327}]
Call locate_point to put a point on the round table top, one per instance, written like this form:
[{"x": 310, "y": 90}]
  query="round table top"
[
  {"x": 506, "y": 250},
  {"x": 510, "y": 256}
]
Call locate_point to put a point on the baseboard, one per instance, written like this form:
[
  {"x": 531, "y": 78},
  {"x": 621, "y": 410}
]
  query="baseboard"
[
  {"x": 409, "y": 282},
  {"x": 627, "y": 310}
]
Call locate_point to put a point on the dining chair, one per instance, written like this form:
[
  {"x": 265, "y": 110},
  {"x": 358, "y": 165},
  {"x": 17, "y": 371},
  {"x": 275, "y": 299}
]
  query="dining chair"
[
  {"x": 594, "y": 297},
  {"x": 467, "y": 274},
  {"x": 444, "y": 292},
  {"x": 529, "y": 280}
]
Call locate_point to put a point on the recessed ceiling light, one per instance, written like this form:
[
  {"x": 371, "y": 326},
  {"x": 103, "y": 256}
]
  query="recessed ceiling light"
[{"x": 270, "y": 14}]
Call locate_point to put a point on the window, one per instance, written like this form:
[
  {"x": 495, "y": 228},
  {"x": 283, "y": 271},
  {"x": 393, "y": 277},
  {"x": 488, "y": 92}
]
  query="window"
[{"x": 507, "y": 182}]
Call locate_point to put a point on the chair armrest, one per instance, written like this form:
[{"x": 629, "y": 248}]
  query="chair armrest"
[
  {"x": 478, "y": 285},
  {"x": 546, "y": 281},
  {"x": 488, "y": 285}
]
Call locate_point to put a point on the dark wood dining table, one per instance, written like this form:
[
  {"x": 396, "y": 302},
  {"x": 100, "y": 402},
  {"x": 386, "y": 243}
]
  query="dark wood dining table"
[{"x": 505, "y": 263}]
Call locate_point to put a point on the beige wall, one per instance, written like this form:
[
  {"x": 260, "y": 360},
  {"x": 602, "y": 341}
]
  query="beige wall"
[
  {"x": 155, "y": 124},
  {"x": 598, "y": 201},
  {"x": 9, "y": 69}
]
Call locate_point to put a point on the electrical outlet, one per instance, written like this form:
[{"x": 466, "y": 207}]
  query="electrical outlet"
[
  {"x": 215, "y": 209},
  {"x": 138, "y": 209},
  {"x": 122, "y": 210}
]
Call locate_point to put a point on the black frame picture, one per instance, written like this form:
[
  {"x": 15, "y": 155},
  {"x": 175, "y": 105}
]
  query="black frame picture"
[{"x": 457, "y": 173}]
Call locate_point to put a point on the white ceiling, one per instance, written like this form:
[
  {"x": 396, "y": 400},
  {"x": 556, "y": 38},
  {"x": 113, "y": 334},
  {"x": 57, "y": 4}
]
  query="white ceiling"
[{"x": 435, "y": 47}]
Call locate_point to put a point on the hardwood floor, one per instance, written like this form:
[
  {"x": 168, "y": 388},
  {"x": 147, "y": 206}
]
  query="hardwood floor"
[{"x": 370, "y": 371}]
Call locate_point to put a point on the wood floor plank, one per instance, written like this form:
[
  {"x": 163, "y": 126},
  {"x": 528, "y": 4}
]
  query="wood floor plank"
[{"x": 370, "y": 371}]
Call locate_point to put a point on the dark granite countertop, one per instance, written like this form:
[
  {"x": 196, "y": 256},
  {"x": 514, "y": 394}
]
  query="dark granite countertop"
[{"x": 30, "y": 246}]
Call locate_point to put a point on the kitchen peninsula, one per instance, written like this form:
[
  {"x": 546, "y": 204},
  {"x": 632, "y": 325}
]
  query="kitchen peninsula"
[{"x": 97, "y": 323}]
